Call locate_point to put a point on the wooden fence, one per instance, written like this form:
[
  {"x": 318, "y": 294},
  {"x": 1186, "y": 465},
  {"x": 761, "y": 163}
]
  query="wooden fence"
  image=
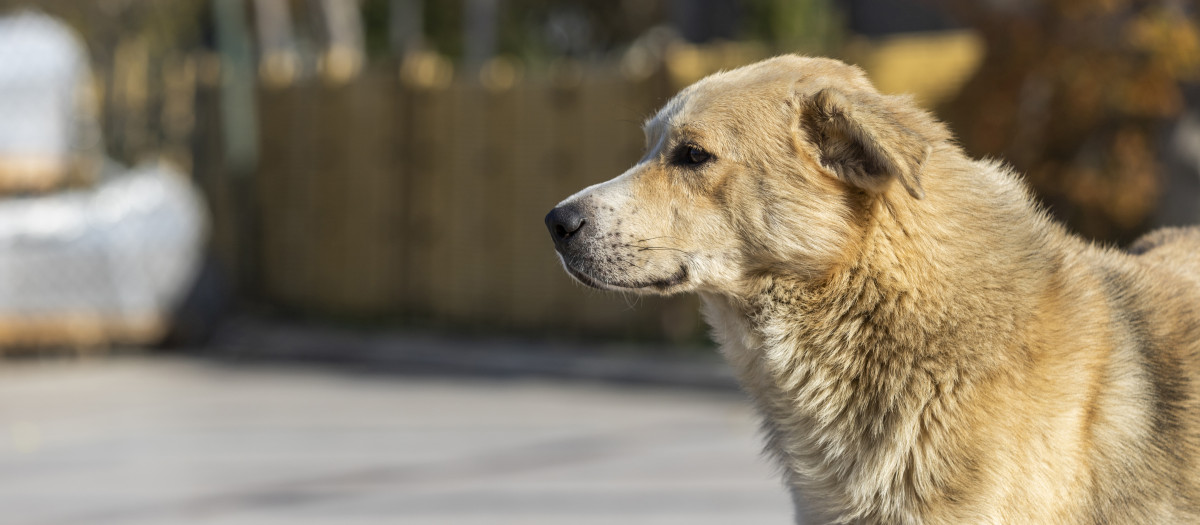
[
  {"x": 397, "y": 200},
  {"x": 413, "y": 195},
  {"x": 409, "y": 195}
]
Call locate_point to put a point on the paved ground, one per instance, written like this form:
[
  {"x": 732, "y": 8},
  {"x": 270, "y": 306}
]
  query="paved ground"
[{"x": 139, "y": 441}]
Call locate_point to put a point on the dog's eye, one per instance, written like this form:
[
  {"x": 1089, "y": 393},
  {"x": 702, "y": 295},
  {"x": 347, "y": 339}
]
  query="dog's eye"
[{"x": 691, "y": 155}]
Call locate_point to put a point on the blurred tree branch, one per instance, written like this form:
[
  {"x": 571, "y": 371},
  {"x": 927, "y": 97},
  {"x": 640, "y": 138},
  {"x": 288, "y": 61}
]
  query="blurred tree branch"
[{"x": 1075, "y": 93}]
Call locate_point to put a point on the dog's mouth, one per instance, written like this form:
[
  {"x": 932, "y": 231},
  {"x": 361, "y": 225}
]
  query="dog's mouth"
[{"x": 679, "y": 277}]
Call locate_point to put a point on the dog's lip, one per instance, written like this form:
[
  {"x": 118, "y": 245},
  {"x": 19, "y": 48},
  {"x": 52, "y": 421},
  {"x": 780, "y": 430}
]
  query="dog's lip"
[
  {"x": 679, "y": 277},
  {"x": 584, "y": 278}
]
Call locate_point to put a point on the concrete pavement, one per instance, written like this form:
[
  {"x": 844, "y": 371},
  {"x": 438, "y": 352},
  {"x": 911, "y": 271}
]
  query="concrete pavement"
[{"x": 175, "y": 440}]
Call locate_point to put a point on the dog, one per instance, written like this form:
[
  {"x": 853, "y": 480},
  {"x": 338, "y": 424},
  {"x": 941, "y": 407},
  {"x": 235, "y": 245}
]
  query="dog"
[{"x": 924, "y": 344}]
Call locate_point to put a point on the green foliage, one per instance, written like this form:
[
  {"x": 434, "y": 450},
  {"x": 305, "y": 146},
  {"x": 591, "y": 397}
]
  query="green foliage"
[
  {"x": 1075, "y": 93},
  {"x": 376, "y": 27},
  {"x": 805, "y": 26}
]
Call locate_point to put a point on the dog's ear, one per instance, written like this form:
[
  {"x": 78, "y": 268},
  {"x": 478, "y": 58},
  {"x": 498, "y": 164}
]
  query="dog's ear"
[{"x": 863, "y": 143}]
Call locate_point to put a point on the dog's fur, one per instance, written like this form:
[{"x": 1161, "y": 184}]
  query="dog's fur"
[{"x": 925, "y": 345}]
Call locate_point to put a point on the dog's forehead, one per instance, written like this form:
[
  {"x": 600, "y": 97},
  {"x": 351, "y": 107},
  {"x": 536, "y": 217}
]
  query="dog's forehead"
[
  {"x": 756, "y": 87},
  {"x": 712, "y": 104}
]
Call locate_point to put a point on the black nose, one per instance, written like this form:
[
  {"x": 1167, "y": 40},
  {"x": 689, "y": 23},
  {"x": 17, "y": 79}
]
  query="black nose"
[{"x": 564, "y": 222}]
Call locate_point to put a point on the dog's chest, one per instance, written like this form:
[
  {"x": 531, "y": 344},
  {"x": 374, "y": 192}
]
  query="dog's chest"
[
  {"x": 740, "y": 344},
  {"x": 796, "y": 398}
]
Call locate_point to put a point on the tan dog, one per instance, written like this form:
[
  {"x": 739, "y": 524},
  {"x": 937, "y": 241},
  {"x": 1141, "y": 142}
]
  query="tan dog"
[{"x": 924, "y": 344}]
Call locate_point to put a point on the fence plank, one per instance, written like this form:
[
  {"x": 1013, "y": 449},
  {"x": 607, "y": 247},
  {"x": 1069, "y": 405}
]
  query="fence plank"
[
  {"x": 397, "y": 199},
  {"x": 331, "y": 150},
  {"x": 277, "y": 243},
  {"x": 535, "y": 275},
  {"x": 301, "y": 208},
  {"x": 353, "y": 183},
  {"x": 462, "y": 212},
  {"x": 428, "y": 147},
  {"x": 500, "y": 223}
]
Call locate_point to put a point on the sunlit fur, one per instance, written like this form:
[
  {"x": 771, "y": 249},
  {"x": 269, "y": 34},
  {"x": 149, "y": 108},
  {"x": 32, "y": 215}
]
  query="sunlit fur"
[{"x": 924, "y": 344}]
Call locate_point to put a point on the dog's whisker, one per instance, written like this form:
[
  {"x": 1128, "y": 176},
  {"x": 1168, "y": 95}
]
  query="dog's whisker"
[
  {"x": 651, "y": 248},
  {"x": 659, "y": 237}
]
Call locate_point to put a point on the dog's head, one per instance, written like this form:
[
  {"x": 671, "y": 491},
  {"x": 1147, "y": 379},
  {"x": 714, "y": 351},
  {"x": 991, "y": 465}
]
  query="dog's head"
[{"x": 763, "y": 169}]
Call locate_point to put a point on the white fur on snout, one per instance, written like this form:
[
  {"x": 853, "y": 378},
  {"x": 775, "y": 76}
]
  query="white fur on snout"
[
  {"x": 621, "y": 249},
  {"x": 611, "y": 192}
]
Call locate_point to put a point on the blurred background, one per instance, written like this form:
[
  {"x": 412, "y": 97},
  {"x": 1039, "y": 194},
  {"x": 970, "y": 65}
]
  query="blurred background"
[
  {"x": 387, "y": 163},
  {"x": 364, "y": 182}
]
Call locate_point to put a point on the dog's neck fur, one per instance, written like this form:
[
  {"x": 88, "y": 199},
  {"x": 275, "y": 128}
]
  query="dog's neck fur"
[{"x": 856, "y": 410}]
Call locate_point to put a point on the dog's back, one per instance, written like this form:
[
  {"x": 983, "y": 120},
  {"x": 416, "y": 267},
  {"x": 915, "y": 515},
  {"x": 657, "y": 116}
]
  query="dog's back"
[
  {"x": 1152, "y": 315},
  {"x": 1176, "y": 246},
  {"x": 1168, "y": 261}
]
